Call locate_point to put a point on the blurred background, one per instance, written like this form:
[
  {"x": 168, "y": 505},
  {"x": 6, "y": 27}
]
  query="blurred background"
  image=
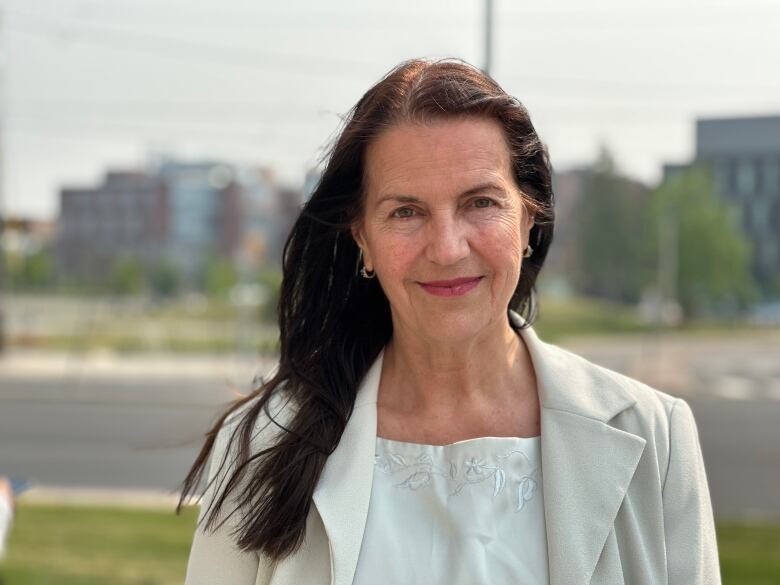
[{"x": 154, "y": 154}]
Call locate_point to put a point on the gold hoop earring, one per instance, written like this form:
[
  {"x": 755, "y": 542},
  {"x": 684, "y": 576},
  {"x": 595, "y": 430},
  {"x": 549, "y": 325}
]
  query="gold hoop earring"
[{"x": 363, "y": 272}]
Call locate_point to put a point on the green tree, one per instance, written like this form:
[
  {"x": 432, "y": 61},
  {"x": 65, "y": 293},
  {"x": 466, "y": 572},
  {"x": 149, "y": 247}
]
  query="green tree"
[
  {"x": 271, "y": 280},
  {"x": 33, "y": 270},
  {"x": 219, "y": 276},
  {"x": 165, "y": 279},
  {"x": 38, "y": 269},
  {"x": 126, "y": 277},
  {"x": 712, "y": 255},
  {"x": 613, "y": 258}
]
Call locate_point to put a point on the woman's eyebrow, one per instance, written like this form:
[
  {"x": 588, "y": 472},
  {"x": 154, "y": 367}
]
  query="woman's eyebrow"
[
  {"x": 399, "y": 198},
  {"x": 489, "y": 186}
]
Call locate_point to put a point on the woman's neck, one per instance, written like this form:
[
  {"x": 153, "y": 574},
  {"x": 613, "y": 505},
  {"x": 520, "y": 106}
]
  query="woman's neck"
[{"x": 420, "y": 376}]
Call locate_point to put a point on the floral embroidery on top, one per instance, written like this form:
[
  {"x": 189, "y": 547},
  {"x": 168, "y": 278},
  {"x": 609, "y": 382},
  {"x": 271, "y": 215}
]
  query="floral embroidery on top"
[{"x": 418, "y": 472}]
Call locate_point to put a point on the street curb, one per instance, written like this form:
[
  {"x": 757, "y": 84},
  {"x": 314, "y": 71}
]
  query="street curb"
[
  {"x": 113, "y": 498},
  {"x": 57, "y": 365}
]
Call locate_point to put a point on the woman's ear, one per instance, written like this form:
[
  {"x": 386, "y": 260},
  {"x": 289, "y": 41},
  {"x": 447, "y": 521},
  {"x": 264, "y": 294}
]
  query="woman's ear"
[
  {"x": 357, "y": 235},
  {"x": 360, "y": 239},
  {"x": 528, "y": 223}
]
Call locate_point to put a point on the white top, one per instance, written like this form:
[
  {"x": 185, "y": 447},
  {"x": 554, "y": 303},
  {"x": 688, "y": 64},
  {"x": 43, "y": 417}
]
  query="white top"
[{"x": 467, "y": 513}]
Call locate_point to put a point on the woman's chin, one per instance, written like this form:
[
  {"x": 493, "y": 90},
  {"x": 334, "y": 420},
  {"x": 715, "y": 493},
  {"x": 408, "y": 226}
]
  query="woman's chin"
[{"x": 452, "y": 326}]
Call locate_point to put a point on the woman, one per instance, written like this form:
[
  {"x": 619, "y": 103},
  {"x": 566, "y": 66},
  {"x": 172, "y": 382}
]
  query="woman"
[{"x": 416, "y": 429}]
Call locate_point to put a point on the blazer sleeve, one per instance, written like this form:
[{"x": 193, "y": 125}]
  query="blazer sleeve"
[
  {"x": 214, "y": 557},
  {"x": 691, "y": 546}
]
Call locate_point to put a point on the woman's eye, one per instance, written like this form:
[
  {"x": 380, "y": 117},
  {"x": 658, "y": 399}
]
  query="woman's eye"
[
  {"x": 483, "y": 202},
  {"x": 404, "y": 212}
]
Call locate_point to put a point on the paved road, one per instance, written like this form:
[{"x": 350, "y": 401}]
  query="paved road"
[
  {"x": 142, "y": 431},
  {"x": 111, "y": 423},
  {"x": 109, "y": 440},
  {"x": 741, "y": 444}
]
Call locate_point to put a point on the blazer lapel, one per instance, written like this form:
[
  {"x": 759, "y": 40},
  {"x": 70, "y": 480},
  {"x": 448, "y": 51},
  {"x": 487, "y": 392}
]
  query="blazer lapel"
[
  {"x": 587, "y": 465},
  {"x": 344, "y": 489}
]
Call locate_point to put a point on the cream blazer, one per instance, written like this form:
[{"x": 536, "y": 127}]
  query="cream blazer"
[{"x": 625, "y": 492}]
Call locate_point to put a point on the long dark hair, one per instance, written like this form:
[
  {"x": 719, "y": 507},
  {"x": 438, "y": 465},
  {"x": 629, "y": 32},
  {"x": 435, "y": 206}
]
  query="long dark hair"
[{"x": 332, "y": 323}]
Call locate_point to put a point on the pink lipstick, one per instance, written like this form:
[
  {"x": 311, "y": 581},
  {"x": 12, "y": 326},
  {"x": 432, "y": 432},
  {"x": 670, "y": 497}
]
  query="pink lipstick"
[{"x": 451, "y": 288}]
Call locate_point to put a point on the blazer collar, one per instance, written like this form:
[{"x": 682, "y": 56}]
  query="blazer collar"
[
  {"x": 344, "y": 489},
  {"x": 562, "y": 377},
  {"x": 587, "y": 465}
]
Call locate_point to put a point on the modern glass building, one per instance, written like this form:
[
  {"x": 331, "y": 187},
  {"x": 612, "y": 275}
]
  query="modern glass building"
[{"x": 744, "y": 156}]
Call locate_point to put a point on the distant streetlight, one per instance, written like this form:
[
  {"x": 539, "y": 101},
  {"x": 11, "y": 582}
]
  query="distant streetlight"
[{"x": 668, "y": 266}]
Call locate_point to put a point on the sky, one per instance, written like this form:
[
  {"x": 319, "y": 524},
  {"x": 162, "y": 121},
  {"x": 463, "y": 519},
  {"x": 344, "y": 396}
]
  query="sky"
[{"x": 88, "y": 85}]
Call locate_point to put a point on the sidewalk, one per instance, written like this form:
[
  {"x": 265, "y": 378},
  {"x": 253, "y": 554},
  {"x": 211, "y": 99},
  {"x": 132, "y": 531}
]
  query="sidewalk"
[
  {"x": 687, "y": 364},
  {"x": 101, "y": 364},
  {"x": 114, "y": 498}
]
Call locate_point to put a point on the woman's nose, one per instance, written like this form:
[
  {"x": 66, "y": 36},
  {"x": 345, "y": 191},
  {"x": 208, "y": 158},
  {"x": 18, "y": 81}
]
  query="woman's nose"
[{"x": 447, "y": 242}]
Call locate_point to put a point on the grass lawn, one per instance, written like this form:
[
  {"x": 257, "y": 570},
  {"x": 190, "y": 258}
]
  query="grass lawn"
[
  {"x": 582, "y": 316},
  {"x": 74, "y": 545},
  {"x": 81, "y": 324},
  {"x": 749, "y": 554}
]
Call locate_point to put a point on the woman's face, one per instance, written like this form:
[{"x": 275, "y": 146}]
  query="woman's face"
[{"x": 444, "y": 225}]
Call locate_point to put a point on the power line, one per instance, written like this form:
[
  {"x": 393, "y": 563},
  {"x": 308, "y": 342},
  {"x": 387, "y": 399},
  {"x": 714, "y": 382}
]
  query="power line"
[
  {"x": 177, "y": 48},
  {"x": 575, "y": 83},
  {"x": 326, "y": 17},
  {"x": 174, "y": 107},
  {"x": 260, "y": 107},
  {"x": 237, "y": 127},
  {"x": 307, "y": 65},
  {"x": 152, "y": 131}
]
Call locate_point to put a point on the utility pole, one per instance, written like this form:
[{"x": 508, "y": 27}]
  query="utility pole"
[
  {"x": 668, "y": 260},
  {"x": 3, "y": 218},
  {"x": 488, "y": 36}
]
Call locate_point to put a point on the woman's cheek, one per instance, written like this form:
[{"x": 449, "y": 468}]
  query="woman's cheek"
[{"x": 505, "y": 234}]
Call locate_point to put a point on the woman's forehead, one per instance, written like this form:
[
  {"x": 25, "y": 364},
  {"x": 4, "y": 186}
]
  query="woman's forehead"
[{"x": 459, "y": 149}]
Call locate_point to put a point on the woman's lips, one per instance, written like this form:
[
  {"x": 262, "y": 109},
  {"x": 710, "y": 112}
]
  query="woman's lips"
[{"x": 451, "y": 288}]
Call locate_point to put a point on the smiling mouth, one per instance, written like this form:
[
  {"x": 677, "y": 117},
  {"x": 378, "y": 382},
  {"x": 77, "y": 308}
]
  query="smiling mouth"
[{"x": 451, "y": 288}]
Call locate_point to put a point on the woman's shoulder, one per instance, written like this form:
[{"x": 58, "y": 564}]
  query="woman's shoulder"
[
  {"x": 260, "y": 422},
  {"x": 266, "y": 418},
  {"x": 649, "y": 399},
  {"x": 633, "y": 406},
  {"x": 583, "y": 385},
  {"x": 648, "y": 405}
]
